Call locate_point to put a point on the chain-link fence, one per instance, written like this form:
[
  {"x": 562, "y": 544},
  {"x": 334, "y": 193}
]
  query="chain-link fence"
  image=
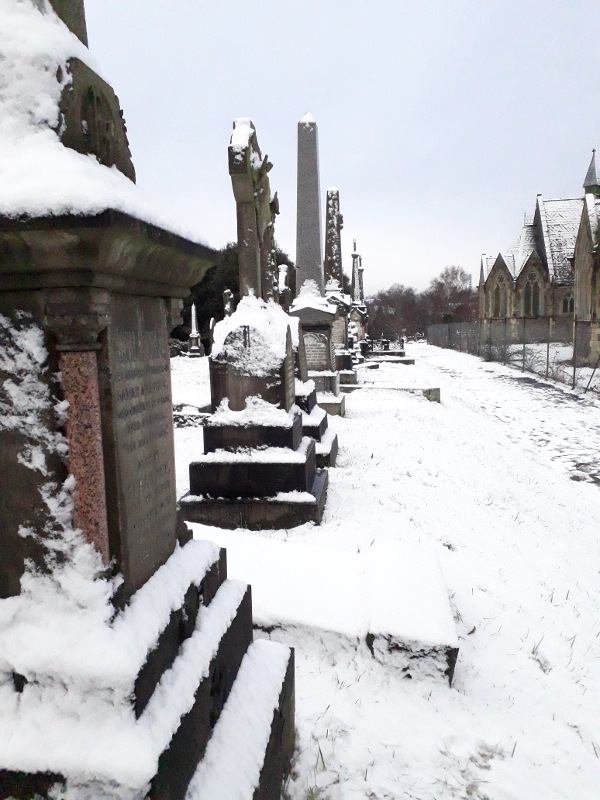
[{"x": 542, "y": 346}]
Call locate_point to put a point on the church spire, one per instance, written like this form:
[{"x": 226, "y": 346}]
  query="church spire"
[{"x": 591, "y": 183}]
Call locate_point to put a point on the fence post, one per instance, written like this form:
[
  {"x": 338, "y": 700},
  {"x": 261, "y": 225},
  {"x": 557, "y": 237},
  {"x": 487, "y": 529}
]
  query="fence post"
[
  {"x": 504, "y": 353},
  {"x": 548, "y": 347},
  {"x": 524, "y": 339},
  {"x": 574, "y": 352}
]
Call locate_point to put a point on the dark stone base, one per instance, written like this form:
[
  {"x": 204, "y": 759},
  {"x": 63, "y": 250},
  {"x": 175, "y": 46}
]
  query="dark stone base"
[
  {"x": 327, "y": 450},
  {"x": 315, "y": 431},
  {"x": 343, "y": 361},
  {"x": 281, "y": 742},
  {"x": 25, "y": 786},
  {"x": 348, "y": 376},
  {"x": 306, "y": 402},
  {"x": 220, "y": 437},
  {"x": 178, "y": 763},
  {"x": 333, "y": 404},
  {"x": 253, "y": 478},
  {"x": 257, "y": 513},
  {"x": 391, "y": 358}
]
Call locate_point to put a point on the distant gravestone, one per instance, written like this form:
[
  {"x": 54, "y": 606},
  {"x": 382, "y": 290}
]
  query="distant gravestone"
[
  {"x": 318, "y": 351},
  {"x": 257, "y": 469}
]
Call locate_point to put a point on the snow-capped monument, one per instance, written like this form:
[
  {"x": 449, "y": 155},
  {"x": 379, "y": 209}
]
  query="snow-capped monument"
[
  {"x": 257, "y": 470},
  {"x": 121, "y": 639},
  {"x": 309, "y": 252},
  {"x": 316, "y": 315}
]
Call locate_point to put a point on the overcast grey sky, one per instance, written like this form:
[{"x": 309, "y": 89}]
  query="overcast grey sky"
[{"x": 439, "y": 120}]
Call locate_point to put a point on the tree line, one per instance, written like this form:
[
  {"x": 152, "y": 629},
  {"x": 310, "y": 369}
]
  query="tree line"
[{"x": 400, "y": 309}]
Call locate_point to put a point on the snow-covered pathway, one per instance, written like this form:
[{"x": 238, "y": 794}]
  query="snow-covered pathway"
[
  {"x": 549, "y": 418},
  {"x": 518, "y": 541}
]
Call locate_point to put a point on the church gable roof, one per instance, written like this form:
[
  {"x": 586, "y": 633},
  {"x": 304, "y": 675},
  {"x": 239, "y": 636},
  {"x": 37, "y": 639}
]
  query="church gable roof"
[
  {"x": 559, "y": 220},
  {"x": 488, "y": 263},
  {"x": 523, "y": 247}
]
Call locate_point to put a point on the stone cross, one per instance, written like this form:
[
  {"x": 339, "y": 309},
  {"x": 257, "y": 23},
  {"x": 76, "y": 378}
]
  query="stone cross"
[
  {"x": 333, "y": 244},
  {"x": 309, "y": 254},
  {"x": 256, "y": 212}
]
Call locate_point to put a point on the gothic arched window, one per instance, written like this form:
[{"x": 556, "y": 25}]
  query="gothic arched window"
[
  {"x": 568, "y": 304},
  {"x": 532, "y": 296},
  {"x": 500, "y": 298}
]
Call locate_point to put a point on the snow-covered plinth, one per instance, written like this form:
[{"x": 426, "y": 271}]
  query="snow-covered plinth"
[
  {"x": 392, "y": 597},
  {"x": 334, "y": 404},
  {"x": 232, "y": 764}
]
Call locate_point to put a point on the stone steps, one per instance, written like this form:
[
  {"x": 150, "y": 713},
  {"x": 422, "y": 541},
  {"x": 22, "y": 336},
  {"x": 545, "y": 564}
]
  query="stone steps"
[{"x": 257, "y": 719}]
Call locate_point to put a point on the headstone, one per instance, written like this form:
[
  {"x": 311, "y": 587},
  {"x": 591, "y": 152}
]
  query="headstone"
[{"x": 97, "y": 566}]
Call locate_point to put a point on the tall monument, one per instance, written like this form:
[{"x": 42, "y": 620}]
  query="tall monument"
[
  {"x": 309, "y": 253},
  {"x": 359, "y": 314},
  {"x": 334, "y": 222},
  {"x": 134, "y": 637}
]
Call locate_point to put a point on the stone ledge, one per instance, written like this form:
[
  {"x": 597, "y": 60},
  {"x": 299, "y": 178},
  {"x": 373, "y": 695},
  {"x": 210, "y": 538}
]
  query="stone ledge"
[
  {"x": 334, "y": 404},
  {"x": 258, "y": 513}
]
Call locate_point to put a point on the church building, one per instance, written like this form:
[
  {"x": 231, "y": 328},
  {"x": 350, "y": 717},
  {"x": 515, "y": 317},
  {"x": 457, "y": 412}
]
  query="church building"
[
  {"x": 535, "y": 277},
  {"x": 587, "y": 267}
]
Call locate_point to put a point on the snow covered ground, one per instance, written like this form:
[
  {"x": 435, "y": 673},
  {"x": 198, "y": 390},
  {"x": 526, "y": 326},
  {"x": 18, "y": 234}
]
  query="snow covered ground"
[{"x": 500, "y": 479}]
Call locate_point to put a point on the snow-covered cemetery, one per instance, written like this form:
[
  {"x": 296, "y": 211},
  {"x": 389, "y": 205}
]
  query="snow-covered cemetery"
[{"x": 254, "y": 545}]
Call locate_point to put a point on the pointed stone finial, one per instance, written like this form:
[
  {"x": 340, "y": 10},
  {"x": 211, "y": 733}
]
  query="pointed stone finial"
[
  {"x": 591, "y": 184},
  {"x": 195, "y": 349},
  {"x": 357, "y": 280}
]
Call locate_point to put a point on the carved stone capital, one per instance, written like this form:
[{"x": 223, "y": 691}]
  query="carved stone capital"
[{"x": 76, "y": 317}]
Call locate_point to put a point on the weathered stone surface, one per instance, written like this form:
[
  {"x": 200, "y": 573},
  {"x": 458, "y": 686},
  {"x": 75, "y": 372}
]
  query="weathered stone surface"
[
  {"x": 256, "y": 212},
  {"x": 178, "y": 763},
  {"x": 138, "y": 437},
  {"x": 246, "y": 476},
  {"x": 92, "y": 120},
  {"x": 281, "y": 741},
  {"x": 334, "y": 222},
  {"x": 259, "y": 513},
  {"x": 318, "y": 350},
  {"x": 72, "y": 13},
  {"x": 228, "y": 437},
  {"x": 309, "y": 254},
  {"x": 231, "y": 380}
]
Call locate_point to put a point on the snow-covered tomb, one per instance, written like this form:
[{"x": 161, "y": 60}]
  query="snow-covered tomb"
[{"x": 124, "y": 649}]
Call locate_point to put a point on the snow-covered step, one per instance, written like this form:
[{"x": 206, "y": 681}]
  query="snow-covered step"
[
  {"x": 392, "y": 597},
  {"x": 257, "y": 717}
]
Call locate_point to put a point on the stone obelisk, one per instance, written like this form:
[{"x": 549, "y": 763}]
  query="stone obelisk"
[{"x": 309, "y": 253}]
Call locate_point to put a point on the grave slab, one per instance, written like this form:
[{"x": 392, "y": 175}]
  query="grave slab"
[{"x": 393, "y": 598}]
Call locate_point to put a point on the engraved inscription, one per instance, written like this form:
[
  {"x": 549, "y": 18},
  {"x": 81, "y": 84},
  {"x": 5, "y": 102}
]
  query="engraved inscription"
[
  {"x": 316, "y": 346},
  {"x": 290, "y": 384},
  {"x": 143, "y": 437},
  {"x": 339, "y": 332}
]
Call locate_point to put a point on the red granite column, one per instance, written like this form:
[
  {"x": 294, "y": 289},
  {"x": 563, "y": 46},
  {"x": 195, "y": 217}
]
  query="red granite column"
[
  {"x": 76, "y": 316},
  {"x": 79, "y": 370}
]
